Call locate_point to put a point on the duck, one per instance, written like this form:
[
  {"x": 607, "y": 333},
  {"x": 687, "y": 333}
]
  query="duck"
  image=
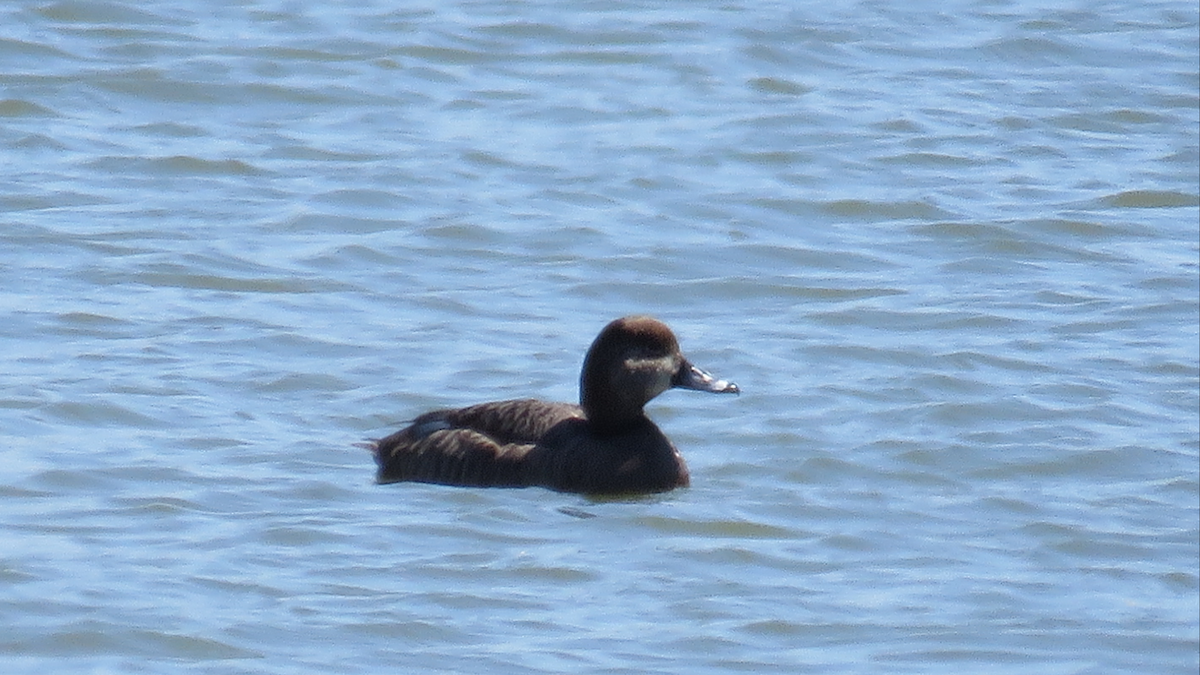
[{"x": 604, "y": 445}]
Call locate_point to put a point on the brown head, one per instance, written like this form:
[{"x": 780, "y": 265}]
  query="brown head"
[{"x": 633, "y": 360}]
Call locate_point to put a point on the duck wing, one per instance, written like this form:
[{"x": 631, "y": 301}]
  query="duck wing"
[
  {"x": 482, "y": 445},
  {"x": 519, "y": 421}
]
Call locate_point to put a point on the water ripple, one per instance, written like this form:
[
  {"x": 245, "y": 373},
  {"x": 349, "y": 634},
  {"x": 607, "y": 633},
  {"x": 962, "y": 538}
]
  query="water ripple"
[{"x": 951, "y": 259}]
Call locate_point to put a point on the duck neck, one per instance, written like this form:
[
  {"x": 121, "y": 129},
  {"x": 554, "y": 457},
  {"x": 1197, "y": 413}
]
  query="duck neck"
[{"x": 607, "y": 410}]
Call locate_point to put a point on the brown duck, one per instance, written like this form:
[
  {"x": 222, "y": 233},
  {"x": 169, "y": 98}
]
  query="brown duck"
[{"x": 604, "y": 445}]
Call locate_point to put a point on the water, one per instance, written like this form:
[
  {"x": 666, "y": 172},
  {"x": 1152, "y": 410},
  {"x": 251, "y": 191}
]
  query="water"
[{"x": 949, "y": 253}]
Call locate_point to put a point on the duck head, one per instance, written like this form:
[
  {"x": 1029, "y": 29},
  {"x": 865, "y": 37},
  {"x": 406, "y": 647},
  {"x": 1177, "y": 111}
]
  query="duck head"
[{"x": 634, "y": 359}]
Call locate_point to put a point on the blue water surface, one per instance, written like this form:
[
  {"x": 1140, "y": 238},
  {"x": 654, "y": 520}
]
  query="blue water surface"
[{"x": 950, "y": 254}]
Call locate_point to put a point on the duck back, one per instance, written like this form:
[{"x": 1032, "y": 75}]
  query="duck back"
[
  {"x": 525, "y": 443},
  {"x": 483, "y": 445}
]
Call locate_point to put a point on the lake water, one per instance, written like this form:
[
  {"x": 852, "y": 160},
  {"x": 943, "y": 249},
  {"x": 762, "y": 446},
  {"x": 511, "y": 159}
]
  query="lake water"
[{"x": 949, "y": 251}]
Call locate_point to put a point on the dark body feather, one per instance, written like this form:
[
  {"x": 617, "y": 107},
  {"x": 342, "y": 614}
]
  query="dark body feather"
[
  {"x": 483, "y": 445},
  {"x": 526, "y": 443}
]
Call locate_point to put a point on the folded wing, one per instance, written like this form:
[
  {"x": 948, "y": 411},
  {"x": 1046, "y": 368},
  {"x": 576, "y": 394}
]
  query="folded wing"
[{"x": 484, "y": 445}]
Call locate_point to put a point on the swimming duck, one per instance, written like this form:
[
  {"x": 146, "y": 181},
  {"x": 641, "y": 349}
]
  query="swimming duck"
[{"x": 604, "y": 445}]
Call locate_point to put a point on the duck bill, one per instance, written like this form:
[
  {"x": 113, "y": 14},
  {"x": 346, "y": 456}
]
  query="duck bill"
[{"x": 691, "y": 377}]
